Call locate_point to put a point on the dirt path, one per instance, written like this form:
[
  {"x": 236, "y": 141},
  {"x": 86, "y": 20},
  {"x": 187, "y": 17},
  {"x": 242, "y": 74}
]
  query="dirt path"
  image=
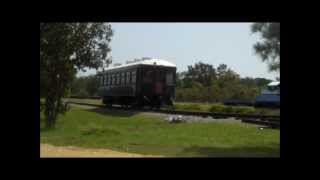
[{"x": 47, "y": 150}]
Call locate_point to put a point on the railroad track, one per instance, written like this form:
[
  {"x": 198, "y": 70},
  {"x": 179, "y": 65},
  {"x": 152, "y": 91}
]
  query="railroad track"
[{"x": 265, "y": 120}]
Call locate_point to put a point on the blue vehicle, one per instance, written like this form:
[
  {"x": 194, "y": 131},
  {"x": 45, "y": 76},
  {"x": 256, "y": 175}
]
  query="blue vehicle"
[{"x": 269, "y": 96}]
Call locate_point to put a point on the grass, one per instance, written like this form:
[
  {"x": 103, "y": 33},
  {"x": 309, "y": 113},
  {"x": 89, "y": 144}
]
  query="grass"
[
  {"x": 149, "y": 134},
  {"x": 89, "y": 101}
]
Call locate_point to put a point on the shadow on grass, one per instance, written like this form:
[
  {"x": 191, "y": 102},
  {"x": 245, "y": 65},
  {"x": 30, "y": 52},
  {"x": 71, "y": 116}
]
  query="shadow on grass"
[
  {"x": 114, "y": 112},
  {"x": 43, "y": 128},
  {"x": 100, "y": 131},
  {"x": 230, "y": 151}
]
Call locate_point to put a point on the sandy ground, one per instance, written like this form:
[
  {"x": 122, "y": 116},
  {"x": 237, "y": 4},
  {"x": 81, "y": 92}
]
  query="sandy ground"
[{"x": 47, "y": 150}]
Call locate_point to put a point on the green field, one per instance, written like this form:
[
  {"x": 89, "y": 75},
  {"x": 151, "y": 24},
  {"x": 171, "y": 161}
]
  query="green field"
[{"x": 149, "y": 134}]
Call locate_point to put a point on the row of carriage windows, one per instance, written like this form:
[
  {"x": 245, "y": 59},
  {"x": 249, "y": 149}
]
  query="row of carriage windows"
[{"x": 121, "y": 78}]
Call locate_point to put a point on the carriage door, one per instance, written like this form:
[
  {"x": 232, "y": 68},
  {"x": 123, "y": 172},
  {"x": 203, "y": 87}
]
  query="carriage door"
[
  {"x": 159, "y": 79},
  {"x": 147, "y": 82}
]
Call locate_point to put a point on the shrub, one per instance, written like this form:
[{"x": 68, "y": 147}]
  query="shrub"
[
  {"x": 268, "y": 111},
  {"x": 188, "y": 106},
  {"x": 231, "y": 109},
  {"x": 243, "y": 109},
  {"x": 217, "y": 108}
]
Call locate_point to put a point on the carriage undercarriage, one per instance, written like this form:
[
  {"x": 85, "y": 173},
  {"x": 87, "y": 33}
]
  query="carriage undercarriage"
[{"x": 138, "y": 102}]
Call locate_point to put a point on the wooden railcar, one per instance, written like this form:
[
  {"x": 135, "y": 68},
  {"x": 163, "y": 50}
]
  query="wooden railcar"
[{"x": 148, "y": 82}]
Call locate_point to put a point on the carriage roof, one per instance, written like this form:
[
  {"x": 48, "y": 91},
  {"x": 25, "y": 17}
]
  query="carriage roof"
[
  {"x": 154, "y": 62},
  {"x": 274, "y": 83}
]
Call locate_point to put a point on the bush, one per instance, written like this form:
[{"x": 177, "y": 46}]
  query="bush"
[
  {"x": 231, "y": 109},
  {"x": 268, "y": 111},
  {"x": 243, "y": 110},
  {"x": 188, "y": 106},
  {"x": 217, "y": 108}
]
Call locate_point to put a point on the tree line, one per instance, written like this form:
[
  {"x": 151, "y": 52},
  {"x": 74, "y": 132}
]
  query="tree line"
[{"x": 205, "y": 83}]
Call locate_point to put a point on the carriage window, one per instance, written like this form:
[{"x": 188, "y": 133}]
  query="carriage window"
[
  {"x": 169, "y": 79},
  {"x": 123, "y": 78},
  {"x": 106, "y": 80},
  {"x": 115, "y": 79},
  {"x": 102, "y": 80},
  {"x": 133, "y": 77},
  {"x": 128, "y": 77},
  {"x": 109, "y": 77},
  {"x": 147, "y": 76},
  {"x": 118, "y": 78}
]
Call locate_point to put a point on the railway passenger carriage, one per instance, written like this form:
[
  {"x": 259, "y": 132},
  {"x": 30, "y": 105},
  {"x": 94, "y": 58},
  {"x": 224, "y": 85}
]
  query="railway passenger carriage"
[
  {"x": 269, "y": 96},
  {"x": 145, "y": 82}
]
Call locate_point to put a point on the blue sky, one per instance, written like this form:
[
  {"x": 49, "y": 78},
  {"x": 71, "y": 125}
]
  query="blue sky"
[{"x": 187, "y": 43}]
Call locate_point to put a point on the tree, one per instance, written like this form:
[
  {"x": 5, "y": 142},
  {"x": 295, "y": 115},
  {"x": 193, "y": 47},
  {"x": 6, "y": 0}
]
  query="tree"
[
  {"x": 85, "y": 86},
  {"x": 202, "y": 73},
  {"x": 79, "y": 87},
  {"x": 269, "y": 48},
  {"x": 66, "y": 48},
  {"x": 179, "y": 79},
  {"x": 226, "y": 76},
  {"x": 92, "y": 85},
  {"x": 221, "y": 70}
]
